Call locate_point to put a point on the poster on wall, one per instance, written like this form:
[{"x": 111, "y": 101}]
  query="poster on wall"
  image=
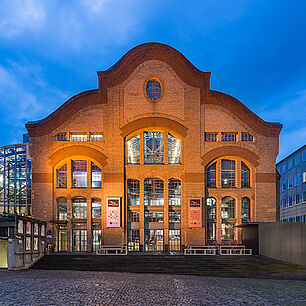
[
  {"x": 113, "y": 215},
  {"x": 195, "y": 212}
]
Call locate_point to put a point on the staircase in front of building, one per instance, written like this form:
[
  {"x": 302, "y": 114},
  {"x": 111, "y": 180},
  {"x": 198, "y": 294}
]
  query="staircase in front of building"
[{"x": 221, "y": 266}]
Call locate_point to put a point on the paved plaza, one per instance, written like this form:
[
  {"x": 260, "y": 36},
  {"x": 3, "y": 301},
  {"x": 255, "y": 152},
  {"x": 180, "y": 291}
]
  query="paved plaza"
[{"x": 106, "y": 288}]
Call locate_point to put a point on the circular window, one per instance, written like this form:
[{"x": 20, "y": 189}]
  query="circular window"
[{"x": 153, "y": 89}]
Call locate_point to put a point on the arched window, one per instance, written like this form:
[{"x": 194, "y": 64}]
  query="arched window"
[
  {"x": 245, "y": 176},
  {"x": 245, "y": 209},
  {"x": 153, "y": 148},
  {"x": 133, "y": 150},
  {"x": 174, "y": 187},
  {"x": 96, "y": 176},
  {"x": 79, "y": 208},
  {"x": 95, "y": 208},
  {"x": 79, "y": 174},
  {"x": 228, "y": 208},
  {"x": 133, "y": 191},
  {"x": 174, "y": 150},
  {"x": 61, "y": 177},
  {"x": 211, "y": 176},
  {"x": 211, "y": 208},
  {"x": 227, "y": 173},
  {"x": 153, "y": 191},
  {"x": 62, "y": 209}
]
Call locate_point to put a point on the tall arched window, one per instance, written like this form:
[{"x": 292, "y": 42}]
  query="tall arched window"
[
  {"x": 153, "y": 148},
  {"x": 79, "y": 174},
  {"x": 174, "y": 150},
  {"x": 96, "y": 208},
  {"x": 79, "y": 208},
  {"x": 133, "y": 192},
  {"x": 211, "y": 176},
  {"x": 62, "y": 208},
  {"x": 211, "y": 218},
  {"x": 245, "y": 209},
  {"x": 245, "y": 176},
  {"x": 133, "y": 150},
  {"x": 96, "y": 176},
  {"x": 228, "y": 208},
  {"x": 153, "y": 191},
  {"x": 174, "y": 187},
  {"x": 61, "y": 177},
  {"x": 227, "y": 173}
]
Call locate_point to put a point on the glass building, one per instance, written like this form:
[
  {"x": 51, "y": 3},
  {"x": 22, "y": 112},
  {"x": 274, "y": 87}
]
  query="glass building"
[{"x": 15, "y": 179}]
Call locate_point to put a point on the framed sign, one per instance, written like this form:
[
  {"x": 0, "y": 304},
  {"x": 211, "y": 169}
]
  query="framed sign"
[
  {"x": 195, "y": 212},
  {"x": 113, "y": 213},
  {"x": 28, "y": 231},
  {"x": 20, "y": 227}
]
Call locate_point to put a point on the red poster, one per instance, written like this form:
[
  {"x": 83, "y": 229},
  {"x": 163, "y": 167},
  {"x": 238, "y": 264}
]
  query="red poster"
[{"x": 195, "y": 212}]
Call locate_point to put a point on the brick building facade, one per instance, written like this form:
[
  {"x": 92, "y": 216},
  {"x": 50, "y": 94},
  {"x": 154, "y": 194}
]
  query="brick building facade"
[{"x": 153, "y": 159}]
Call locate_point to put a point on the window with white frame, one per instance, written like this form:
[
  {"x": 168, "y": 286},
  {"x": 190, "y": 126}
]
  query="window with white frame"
[
  {"x": 79, "y": 136},
  {"x": 304, "y": 177},
  {"x": 297, "y": 180},
  {"x": 304, "y": 196},
  {"x": 284, "y": 203},
  {"x": 290, "y": 182},
  {"x": 297, "y": 199},
  {"x": 284, "y": 186},
  {"x": 297, "y": 160},
  {"x": 290, "y": 165},
  {"x": 290, "y": 201}
]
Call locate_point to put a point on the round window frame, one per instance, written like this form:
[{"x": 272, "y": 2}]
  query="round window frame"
[{"x": 147, "y": 80}]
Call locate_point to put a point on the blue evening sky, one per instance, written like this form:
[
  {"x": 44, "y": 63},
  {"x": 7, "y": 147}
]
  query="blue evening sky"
[{"x": 256, "y": 51}]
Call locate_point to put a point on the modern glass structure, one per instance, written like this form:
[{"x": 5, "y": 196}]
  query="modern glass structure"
[
  {"x": 292, "y": 199},
  {"x": 15, "y": 179}
]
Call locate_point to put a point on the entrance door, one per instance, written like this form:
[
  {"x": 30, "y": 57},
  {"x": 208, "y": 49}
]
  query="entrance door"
[
  {"x": 62, "y": 240},
  {"x": 3, "y": 253},
  {"x": 154, "y": 240},
  {"x": 79, "y": 240},
  {"x": 174, "y": 240}
]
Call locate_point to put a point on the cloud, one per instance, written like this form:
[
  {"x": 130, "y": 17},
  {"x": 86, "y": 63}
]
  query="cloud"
[{"x": 20, "y": 16}]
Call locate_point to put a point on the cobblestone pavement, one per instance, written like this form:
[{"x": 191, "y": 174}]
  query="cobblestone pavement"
[{"x": 107, "y": 288}]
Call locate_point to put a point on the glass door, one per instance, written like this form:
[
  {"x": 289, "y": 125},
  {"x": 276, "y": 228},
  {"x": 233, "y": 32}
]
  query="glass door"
[{"x": 154, "y": 240}]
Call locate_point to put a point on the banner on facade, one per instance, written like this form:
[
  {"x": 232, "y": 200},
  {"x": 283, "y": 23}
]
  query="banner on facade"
[
  {"x": 195, "y": 212},
  {"x": 113, "y": 213}
]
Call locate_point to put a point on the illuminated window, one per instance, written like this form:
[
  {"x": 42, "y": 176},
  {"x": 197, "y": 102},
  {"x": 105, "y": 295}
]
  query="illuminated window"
[
  {"x": 61, "y": 177},
  {"x": 79, "y": 174},
  {"x": 227, "y": 231},
  {"x": 245, "y": 176},
  {"x": 174, "y": 217},
  {"x": 153, "y": 148},
  {"x": 211, "y": 231},
  {"x": 228, "y": 208},
  {"x": 247, "y": 137},
  {"x": 62, "y": 136},
  {"x": 228, "y": 136},
  {"x": 96, "y": 176},
  {"x": 133, "y": 191},
  {"x": 133, "y": 216},
  {"x": 153, "y": 191},
  {"x": 245, "y": 209},
  {"x": 96, "y": 208},
  {"x": 174, "y": 150},
  {"x": 133, "y": 150},
  {"x": 153, "y": 89},
  {"x": 211, "y": 208},
  {"x": 154, "y": 216},
  {"x": 211, "y": 136},
  {"x": 80, "y": 136},
  {"x": 211, "y": 176},
  {"x": 174, "y": 186},
  {"x": 227, "y": 173},
  {"x": 79, "y": 208},
  {"x": 62, "y": 209},
  {"x": 96, "y": 136}
]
